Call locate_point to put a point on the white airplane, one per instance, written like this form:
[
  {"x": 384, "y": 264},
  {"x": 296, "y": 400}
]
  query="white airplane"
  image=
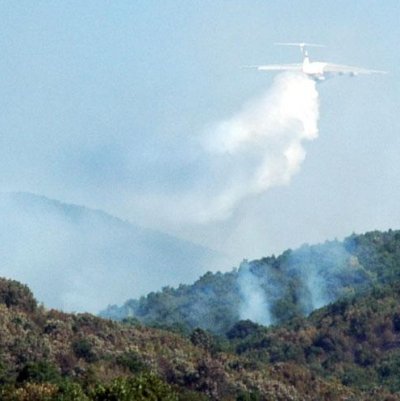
[{"x": 319, "y": 71}]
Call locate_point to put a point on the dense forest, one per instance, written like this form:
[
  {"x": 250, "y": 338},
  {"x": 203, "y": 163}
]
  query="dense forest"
[
  {"x": 272, "y": 290},
  {"x": 346, "y": 350}
]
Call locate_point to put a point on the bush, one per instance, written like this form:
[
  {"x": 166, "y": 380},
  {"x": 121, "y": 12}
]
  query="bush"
[
  {"x": 69, "y": 391},
  {"x": 15, "y": 294},
  {"x": 201, "y": 338},
  {"x": 188, "y": 395},
  {"x": 39, "y": 372},
  {"x": 245, "y": 396},
  {"x": 30, "y": 392},
  {"x": 132, "y": 361},
  {"x": 358, "y": 377},
  {"x": 83, "y": 349},
  {"x": 389, "y": 372},
  {"x": 243, "y": 329},
  {"x": 146, "y": 387}
]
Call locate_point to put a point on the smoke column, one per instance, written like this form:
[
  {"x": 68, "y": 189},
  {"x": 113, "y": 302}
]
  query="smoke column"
[
  {"x": 254, "y": 303},
  {"x": 262, "y": 145},
  {"x": 258, "y": 148}
]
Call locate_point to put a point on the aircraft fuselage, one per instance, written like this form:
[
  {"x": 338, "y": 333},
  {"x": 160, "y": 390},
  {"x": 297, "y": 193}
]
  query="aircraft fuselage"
[{"x": 314, "y": 70}]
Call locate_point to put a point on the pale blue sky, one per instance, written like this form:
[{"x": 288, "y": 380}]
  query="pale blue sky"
[{"x": 104, "y": 101}]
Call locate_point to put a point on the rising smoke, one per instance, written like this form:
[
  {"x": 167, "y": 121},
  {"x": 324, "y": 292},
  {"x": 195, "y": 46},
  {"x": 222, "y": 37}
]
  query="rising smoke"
[
  {"x": 255, "y": 304},
  {"x": 264, "y": 145},
  {"x": 258, "y": 148}
]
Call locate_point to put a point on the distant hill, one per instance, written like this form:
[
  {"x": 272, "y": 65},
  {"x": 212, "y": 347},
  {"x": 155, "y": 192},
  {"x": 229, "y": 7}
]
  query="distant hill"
[
  {"x": 79, "y": 259},
  {"x": 272, "y": 290}
]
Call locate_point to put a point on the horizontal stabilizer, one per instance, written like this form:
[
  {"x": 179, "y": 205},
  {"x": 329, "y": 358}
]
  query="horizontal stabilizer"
[{"x": 299, "y": 44}]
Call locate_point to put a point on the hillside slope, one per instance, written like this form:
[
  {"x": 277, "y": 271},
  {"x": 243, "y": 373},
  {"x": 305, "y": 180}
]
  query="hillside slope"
[
  {"x": 273, "y": 289},
  {"x": 54, "y": 356},
  {"x": 355, "y": 340}
]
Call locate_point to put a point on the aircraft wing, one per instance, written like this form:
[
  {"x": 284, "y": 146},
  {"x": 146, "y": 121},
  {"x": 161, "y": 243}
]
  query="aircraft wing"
[
  {"x": 278, "y": 67},
  {"x": 338, "y": 69}
]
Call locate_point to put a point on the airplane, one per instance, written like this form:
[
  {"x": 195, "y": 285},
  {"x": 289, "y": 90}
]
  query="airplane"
[{"x": 316, "y": 70}]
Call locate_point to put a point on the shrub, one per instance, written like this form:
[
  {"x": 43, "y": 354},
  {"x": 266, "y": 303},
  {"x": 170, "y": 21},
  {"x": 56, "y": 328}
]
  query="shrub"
[
  {"x": 201, "y": 338},
  {"x": 69, "y": 391},
  {"x": 30, "y": 392},
  {"x": 243, "y": 329},
  {"x": 15, "y": 294},
  {"x": 245, "y": 396},
  {"x": 132, "y": 361},
  {"x": 146, "y": 387},
  {"x": 39, "y": 372},
  {"x": 83, "y": 349}
]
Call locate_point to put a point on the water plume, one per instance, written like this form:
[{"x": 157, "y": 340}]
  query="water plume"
[
  {"x": 259, "y": 147},
  {"x": 262, "y": 145}
]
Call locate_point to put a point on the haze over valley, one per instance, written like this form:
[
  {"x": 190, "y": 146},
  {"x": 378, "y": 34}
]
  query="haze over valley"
[{"x": 78, "y": 259}]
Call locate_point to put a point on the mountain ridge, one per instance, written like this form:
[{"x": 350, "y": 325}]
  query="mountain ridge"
[
  {"x": 90, "y": 256},
  {"x": 272, "y": 289},
  {"x": 347, "y": 350}
]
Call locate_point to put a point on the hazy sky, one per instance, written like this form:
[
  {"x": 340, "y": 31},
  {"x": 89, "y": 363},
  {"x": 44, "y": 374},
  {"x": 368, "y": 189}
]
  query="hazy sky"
[{"x": 103, "y": 103}]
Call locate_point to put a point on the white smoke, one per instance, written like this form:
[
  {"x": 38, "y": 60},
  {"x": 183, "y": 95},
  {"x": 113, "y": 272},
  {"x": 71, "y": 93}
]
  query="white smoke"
[
  {"x": 261, "y": 146},
  {"x": 254, "y": 304},
  {"x": 258, "y": 148}
]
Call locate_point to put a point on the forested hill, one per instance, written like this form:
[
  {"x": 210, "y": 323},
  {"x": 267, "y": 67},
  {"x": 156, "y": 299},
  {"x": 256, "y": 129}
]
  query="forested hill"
[
  {"x": 348, "y": 350},
  {"x": 273, "y": 289}
]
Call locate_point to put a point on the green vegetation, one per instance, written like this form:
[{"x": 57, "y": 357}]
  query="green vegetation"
[
  {"x": 16, "y": 295},
  {"x": 293, "y": 285},
  {"x": 346, "y": 350},
  {"x": 141, "y": 388}
]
